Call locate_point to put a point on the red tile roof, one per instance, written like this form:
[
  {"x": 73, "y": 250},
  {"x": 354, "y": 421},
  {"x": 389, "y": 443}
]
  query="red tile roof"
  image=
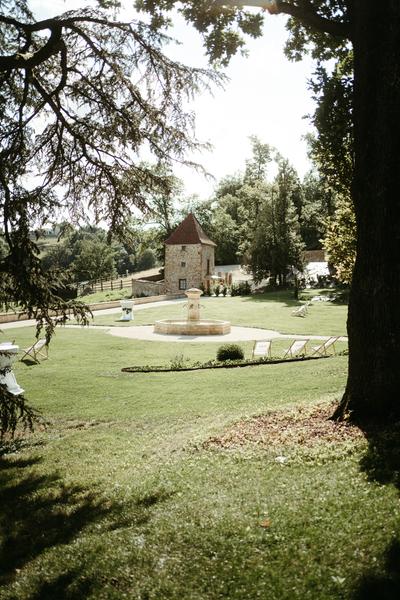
[{"x": 189, "y": 232}]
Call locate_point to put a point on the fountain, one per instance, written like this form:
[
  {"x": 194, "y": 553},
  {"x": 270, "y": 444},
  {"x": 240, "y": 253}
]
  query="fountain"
[{"x": 193, "y": 325}]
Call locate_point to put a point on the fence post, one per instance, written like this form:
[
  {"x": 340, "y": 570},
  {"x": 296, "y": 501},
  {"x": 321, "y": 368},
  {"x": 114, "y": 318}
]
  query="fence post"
[
  {"x": 121, "y": 286},
  {"x": 111, "y": 284},
  {"x": 101, "y": 284}
]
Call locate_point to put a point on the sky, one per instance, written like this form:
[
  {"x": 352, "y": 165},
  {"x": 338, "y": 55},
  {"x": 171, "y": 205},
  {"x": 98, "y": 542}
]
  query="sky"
[{"x": 266, "y": 96}]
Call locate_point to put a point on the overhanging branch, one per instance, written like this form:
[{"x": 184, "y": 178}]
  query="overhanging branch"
[{"x": 303, "y": 10}]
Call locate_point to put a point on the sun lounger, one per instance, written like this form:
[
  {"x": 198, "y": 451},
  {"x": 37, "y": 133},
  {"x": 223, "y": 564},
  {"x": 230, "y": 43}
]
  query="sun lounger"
[
  {"x": 297, "y": 348},
  {"x": 322, "y": 349},
  {"x": 262, "y": 348},
  {"x": 301, "y": 311},
  {"x": 38, "y": 351}
]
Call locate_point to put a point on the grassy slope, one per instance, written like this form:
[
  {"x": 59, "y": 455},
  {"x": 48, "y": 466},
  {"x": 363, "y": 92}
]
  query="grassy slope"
[{"x": 118, "y": 499}]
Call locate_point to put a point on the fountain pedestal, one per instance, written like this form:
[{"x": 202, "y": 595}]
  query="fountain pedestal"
[{"x": 193, "y": 295}]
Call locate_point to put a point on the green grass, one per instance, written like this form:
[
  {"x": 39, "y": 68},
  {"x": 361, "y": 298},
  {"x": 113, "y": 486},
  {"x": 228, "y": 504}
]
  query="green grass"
[
  {"x": 268, "y": 311},
  {"x": 118, "y": 498},
  {"x": 106, "y": 296}
]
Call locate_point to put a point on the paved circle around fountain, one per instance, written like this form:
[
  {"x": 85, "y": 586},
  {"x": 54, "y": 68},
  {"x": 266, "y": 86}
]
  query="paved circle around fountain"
[{"x": 237, "y": 334}]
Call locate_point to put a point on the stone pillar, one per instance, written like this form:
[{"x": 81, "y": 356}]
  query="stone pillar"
[{"x": 193, "y": 296}]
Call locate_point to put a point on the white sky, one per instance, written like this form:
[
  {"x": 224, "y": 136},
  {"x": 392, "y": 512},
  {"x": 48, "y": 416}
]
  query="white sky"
[{"x": 266, "y": 96}]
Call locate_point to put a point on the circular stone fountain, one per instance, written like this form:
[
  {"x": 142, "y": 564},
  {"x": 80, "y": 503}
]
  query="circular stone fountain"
[{"x": 193, "y": 325}]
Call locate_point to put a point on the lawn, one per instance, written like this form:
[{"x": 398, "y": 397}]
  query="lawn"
[
  {"x": 124, "y": 496},
  {"x": 268, "y": 311}
]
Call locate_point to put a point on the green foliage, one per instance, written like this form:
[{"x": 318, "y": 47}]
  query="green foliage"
[
  {"x": 178, "y": 362},
  {"x": 146, "y": 260},
  {"x": 275, "y": 243},
  {"x": 241, "y": 288},
  {"x": 318, "y": 205},
  {"x": 230, "y": 352},
  {"x": 94, "y": 260},
  {"x": 257, "y": 166},
  {"x": 15, "y": 411},
  {"x": 341, "y": 240},
  {"x": 222, "y": 26},
  {"x": 332, "y": 150}
]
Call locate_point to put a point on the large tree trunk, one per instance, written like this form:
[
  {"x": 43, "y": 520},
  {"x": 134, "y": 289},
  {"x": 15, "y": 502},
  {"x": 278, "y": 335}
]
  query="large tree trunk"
[{"x": 373, "y": 386}]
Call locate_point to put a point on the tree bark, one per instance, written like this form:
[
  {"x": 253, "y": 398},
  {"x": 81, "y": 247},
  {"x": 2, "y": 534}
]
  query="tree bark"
[{"x": 373, "y": 385}]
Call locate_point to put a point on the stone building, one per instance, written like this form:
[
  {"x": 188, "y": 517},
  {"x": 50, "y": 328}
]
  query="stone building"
[{"x": 189, "y": 257}]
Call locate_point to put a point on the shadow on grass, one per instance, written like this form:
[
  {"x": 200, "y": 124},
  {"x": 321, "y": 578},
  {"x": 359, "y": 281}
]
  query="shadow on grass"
[
  {"x": 386, "y": 585},
  {"x": 382, "y": 465},
  {"x": 68, "y": 586},
  {"x": 284, "y": 297},
  {"x": 38, "y": 512},
  {"x": 29, "y": 362}
]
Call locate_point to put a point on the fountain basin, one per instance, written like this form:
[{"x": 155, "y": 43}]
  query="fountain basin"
[{"x": 200, "y": 327}]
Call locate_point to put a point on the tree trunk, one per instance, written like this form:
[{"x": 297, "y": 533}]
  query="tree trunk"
[{"x": 373, "y": 385}]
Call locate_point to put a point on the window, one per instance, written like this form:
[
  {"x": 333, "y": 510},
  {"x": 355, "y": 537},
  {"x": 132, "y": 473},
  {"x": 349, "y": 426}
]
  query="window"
[
  {"x": 183, "y": 248},
  {"x": 208, "y": 266},
  {"x": 183, "y": 264},
  {"x": 182, "y": 284}
]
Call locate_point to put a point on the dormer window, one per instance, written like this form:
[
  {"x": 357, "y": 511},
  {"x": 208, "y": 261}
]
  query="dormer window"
[{"x": 183, "y": 248}]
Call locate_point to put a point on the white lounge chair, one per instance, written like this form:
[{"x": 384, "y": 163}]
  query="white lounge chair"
[
  {"x": 38, "y": 349},
  {"x": 301, "y": 311},
  {"x": 262, "y": 348},
  {"x": 322, "y": 349},
  {"x": 297, "y": 348}
]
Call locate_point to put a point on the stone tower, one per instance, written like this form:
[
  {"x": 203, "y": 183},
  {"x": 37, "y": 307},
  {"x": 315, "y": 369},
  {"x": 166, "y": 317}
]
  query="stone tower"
[{"x": 189, "y": 257}]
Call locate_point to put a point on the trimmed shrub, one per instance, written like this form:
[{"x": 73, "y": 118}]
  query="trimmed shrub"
[{"x": 230, "y": 352}]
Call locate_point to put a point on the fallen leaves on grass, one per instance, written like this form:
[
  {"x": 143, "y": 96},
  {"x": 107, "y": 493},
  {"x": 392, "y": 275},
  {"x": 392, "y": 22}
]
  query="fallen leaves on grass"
[
  {"x": 303, "y": 426},
  {"x": 266, "y": 523}
]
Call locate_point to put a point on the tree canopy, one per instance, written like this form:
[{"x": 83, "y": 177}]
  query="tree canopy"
[{"x": 82, "y": 96}]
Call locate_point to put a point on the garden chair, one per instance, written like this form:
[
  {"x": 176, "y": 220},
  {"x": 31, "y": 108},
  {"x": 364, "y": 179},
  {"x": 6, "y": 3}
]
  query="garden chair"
[
  {"x": 38, "y": 349},
  {"x": 322, "y": 349},
  {"x": 301, "y": 311},
  {"x": 297, "y": 348},
  {"x": 262, "y": 348}
]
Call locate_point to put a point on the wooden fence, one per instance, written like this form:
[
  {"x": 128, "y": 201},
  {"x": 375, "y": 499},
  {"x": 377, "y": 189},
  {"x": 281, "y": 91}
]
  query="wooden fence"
[
  {"x": 104, "y": 285},
  {"x": 145, "y": 287}
]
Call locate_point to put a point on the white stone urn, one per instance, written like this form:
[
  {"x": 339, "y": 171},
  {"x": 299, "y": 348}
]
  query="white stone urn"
[
  {"x": 8, "y": 355},
  {"x": 127, "y": 310}
]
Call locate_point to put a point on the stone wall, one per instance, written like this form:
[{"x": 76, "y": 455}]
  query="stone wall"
[
  {"x": 148, "y": 288},
  {"x": 182, "y": 262},
  {"x": 207, "y": 254},
  {"x": 187, "y": 262}
]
